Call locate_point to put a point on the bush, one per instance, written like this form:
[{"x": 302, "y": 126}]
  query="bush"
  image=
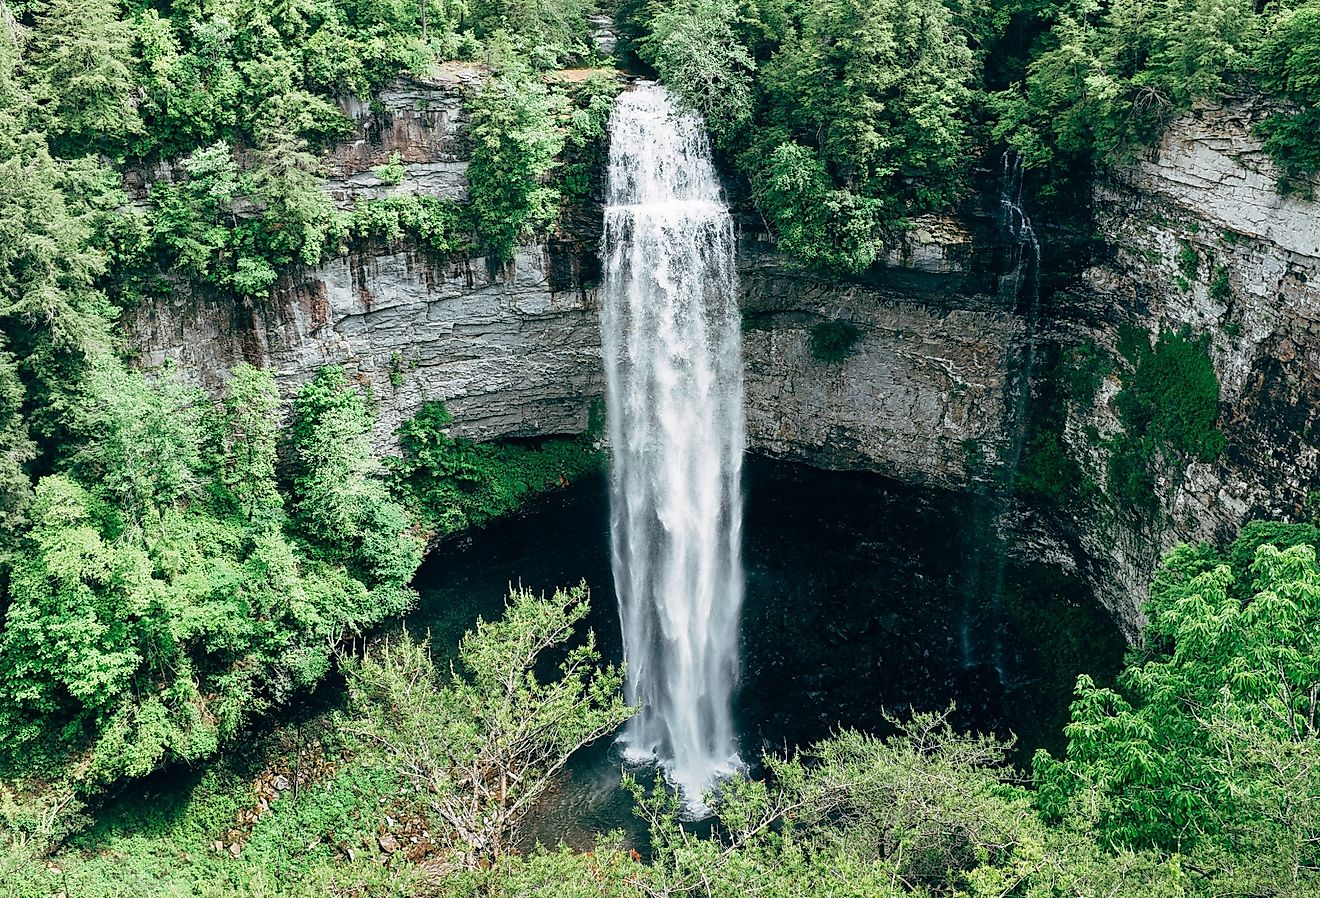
[
  {"x": 1168, "y": 407},
  {"x": 456, "y": 483},
  {"x": 514, "y": 144},
  {"x": 157, "y": 602},
  {"x": 694, "y": 48},
  {"x": 833, "y": 341}
]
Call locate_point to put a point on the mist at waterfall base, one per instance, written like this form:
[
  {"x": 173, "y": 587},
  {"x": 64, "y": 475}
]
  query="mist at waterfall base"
[
  {"x": 854, "y": 606},
  {"x": 671, "y": 340}
]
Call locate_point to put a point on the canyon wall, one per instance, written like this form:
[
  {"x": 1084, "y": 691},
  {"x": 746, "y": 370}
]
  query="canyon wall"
[
  {"x": 926, "y": 394},
  {"x": 514, "y": 348},
  {"x": 1197, "y": 236},
  {"x": 934, "y": 391}
]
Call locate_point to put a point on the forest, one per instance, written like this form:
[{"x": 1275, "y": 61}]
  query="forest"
[{"x": 180, "y": 569}]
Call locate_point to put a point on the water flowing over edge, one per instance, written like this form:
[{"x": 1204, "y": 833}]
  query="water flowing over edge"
[{"x": 672, "y": 347}]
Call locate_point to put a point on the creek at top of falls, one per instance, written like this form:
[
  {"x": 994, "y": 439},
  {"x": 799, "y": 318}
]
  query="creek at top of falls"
[{"x": 673, "y": 366}]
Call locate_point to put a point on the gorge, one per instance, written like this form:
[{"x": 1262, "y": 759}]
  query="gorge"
[
  {"x": 515, "y": 350},
  {"x": 622, "y": 449}
]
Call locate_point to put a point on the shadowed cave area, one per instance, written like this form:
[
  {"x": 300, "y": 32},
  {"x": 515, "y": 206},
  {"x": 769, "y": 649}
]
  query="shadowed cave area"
[{"x": 865, "y": 597}]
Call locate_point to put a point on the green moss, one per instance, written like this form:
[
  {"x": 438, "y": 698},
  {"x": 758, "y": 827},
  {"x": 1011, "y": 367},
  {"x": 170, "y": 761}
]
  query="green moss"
[
  {"x": 833, "y": 341},
  {"x": 436, "y": 224},
  {"x": 455, "y": 483},
  {"x": 1047, "y": 471},
  {"x": 1220, "y": 288},
  {"x": 391, "y": 172},
  {"x": 1189, "y": 260},
  {"x": 1083, "y": 369},
  {"x": 1168, "y": 408}
]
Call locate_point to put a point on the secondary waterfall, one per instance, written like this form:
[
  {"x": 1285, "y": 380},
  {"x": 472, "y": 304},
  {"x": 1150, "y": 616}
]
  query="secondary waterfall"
[{"x": 673, "y": 366}]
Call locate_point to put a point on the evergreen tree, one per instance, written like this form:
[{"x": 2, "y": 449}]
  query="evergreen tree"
[
  {"x": 77, "y": 63},
  {"x": 16, "y": 449},
  {"x": 341, "y": 500},
  {"x": 251, "y": 410}
]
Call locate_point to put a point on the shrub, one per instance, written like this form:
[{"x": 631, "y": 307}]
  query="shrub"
[
  {"x": 1168, "y": 407},
  {"x": 455, "y": 483},
  {"x": 833, "y": 341}
]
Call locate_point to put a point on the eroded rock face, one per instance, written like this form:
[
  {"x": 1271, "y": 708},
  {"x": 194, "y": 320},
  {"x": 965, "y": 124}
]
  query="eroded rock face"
[
  {"x": 926, "y": 393},
  {"x": 513, "y": 349},
  {"x": 422, "y": 122},
  {"x": 1199, "y": 237},
  {"x": 509, "y": 355}
]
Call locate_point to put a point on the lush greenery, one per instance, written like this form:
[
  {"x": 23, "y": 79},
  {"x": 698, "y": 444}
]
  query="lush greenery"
[
  {"x": 833, "y": 341},
  {"x": 1106, "y": 78},
  {"x": 1197, "y": 775},
  {"x": 843, "y": 119},
  {"x": 175, "y": 564},
  {"x": 1169, "y": 406},
  {"x": 455, "y": 483},
  {"x": 167, "y": 588}
]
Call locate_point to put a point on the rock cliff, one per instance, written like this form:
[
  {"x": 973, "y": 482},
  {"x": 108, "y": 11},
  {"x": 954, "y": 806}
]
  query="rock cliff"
[
  {"x": 934, "y": 390},
  {"x": 1197, "y": 235},
  {"x": 514, "y": 349}
]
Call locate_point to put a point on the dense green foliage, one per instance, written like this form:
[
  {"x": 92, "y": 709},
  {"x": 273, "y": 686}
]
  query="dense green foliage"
[
  {"x": 1106, "y": 78},
  {"x": 1169, "y": 406},
  {"x": 514, "y": 145},
  {"x": 1209, "y": 748},
  {"x": 162, "y": 578},
  {"x": 843, "y": 117},
  {"x": 162, "y": 594},
  {"x": 477, "y": 748},
  {"x": 173, "y": 564},
  {"x": 833, "y": 341},
  {"x": 456, "y": 483},
  {"x": 1197, "y": 775}
]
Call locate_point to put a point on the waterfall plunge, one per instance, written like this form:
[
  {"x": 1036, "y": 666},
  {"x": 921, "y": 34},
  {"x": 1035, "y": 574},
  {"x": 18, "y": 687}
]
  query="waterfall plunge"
[{"x": 674, "y": 399}]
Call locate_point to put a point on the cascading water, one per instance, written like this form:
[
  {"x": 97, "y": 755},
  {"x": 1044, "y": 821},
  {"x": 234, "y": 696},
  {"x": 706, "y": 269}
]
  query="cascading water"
[
  {"x": 674, "y": 402},
  {"x": 1021, "y": 270}
]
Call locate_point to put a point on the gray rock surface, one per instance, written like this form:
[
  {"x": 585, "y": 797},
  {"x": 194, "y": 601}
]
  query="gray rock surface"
[
  {"x": 509, "y": 355},
  {"x": 1207, "y": 189},
  {"x": 925, "y": 395}
]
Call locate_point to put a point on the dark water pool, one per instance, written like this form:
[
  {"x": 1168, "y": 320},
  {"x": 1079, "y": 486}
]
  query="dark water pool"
[{"x": 863, "y": 597}]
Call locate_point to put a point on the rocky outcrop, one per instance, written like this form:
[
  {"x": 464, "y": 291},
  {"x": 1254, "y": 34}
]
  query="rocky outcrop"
[
  {"x": 1199, "y": 236},
  {"x": 513, "y": 349},
  {"x": 926, "y": 393},
  {"x": 510, "y": 355},
  {"x": 422, "y": 123}
]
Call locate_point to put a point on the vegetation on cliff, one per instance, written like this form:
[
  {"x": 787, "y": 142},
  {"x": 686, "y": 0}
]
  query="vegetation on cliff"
[
  {"x": 174, "y": 564},
  {"x": 844, "y": 119},
  {"x": 1196, "y": 775}
]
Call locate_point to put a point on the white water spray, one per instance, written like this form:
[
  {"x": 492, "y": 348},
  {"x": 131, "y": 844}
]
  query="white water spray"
[{"x": 674, "y": 399}]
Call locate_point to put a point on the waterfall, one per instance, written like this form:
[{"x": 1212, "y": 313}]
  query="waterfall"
[
  {"x": 672, "y": 345},
  {"x": 1020, "y": 271}
]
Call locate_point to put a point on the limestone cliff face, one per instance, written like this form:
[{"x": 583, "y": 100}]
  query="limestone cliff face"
[
  {"x": 1197, "y": 235},
  {"x": 511, "y": 356},
  {"x": 927, "y": 393},
  {"x": 935, "y": 388},
  {"x": 514, "y": 349}
]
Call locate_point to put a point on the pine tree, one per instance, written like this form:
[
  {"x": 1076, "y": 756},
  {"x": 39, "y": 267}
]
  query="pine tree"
[{"x": 77, "y": 64}]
